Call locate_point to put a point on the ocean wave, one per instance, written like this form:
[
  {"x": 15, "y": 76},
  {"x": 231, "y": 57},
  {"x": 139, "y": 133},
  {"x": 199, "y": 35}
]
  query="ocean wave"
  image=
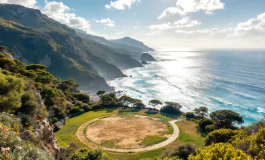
[{"x": 261, "y": 110}]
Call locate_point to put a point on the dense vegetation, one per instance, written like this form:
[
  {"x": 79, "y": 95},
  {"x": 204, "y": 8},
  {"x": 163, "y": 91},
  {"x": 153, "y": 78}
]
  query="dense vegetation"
[{"x": 30, "y": 94}]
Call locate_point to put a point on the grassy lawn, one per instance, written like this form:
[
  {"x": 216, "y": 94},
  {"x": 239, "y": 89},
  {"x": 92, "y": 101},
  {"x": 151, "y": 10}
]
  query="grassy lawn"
[
  {"x": 189, "y": 133},
  {"x": 134, "y": 156},
  {"x": 66, "y": 135},
  {"x": 151, "y": 140},
  {"x": 108, "y": 143}
]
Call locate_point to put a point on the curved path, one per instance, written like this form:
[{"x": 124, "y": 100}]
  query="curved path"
[{"x": 80, "y": 135}]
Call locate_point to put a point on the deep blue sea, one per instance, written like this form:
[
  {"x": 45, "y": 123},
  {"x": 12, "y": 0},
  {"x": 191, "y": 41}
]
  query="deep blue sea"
[{"x": 219, "y": 79}]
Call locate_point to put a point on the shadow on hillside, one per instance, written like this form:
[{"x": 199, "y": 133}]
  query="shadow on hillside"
[
  {"x": 171, "y": 115},
  {"x": 129, "y": 110}
]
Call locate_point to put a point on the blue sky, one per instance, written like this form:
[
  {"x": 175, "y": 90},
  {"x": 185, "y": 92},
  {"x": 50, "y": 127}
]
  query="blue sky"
[{"x": 164, "y": 23}]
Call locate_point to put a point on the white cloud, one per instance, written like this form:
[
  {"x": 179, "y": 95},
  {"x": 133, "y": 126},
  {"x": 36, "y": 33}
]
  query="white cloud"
[
  {"x": 121, "y": 4},
  {"x": 186, "y": 23},
  {"x": 107, "y": 22},
  {"x": 182, "y": 23},
  {"x": 254, "y": 26},
  {"x": 200, "y": 31},
  {"x": 62, "y": 13},
  {"x": 187, "y": 6},
  {"x": 26, "y": 3}
]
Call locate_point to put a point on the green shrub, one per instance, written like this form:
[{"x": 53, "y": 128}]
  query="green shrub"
[
  {"x": 183, "y": 151},
  {"x": 36, "y": 67},
  {"x": 210, "y": 128},
  {"x": 29, "y": 104},
  {"x": 170, "y": 110},
  {"x": 82, "y": 97},
  {"x": 11, "y": 90},
  {"x": 190, "y": 115},
  {"x": 219, "y": 136},
  {"x": 204, "y": 122},
  {"x": 219, "y": 151}
]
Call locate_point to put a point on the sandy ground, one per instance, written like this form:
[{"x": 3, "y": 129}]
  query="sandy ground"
[
  {"x": 80, "y": 135},
  {"x": 125, "y": 132}
]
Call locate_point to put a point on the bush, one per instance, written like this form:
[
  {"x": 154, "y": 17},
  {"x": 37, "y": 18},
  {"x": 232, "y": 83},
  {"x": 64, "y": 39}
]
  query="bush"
[
  {"x": 218, "y": 136},
  {"x": 257, "y": 146},
  {"x": 85, "y": 154},
  {"x": 190, "y": 115},
  {"x": 219, "y": 151},
  {"x": 210, "y": 128},
  {"x": 171, "y": 110},
  {"x": 36, "y": 67},
  {"x": 204, "y": 122},
  {"x": 11, "y": 89},
  {"x": 29, "y": 104},
  {"x": 82, "y": 97},
  {"x": 184, "y": 151}
]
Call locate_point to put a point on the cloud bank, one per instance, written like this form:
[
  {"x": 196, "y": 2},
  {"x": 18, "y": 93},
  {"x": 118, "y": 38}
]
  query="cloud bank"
[
  {"x": 187, "y": 6},
  {"x": 121, "y": 4}
]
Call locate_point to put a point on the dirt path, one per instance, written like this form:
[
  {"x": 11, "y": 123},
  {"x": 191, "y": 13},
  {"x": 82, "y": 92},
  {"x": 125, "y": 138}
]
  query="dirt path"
[{"x": 80, "y": 135}]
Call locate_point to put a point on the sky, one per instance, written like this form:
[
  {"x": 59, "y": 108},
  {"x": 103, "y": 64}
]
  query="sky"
[{"x": 182, "y": 24}]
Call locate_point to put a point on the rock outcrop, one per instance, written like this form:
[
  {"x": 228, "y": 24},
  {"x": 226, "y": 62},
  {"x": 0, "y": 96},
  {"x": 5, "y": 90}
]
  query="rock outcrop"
[
  {"x": 144, "y": 63},
  {"x": 147, "y": 57}
]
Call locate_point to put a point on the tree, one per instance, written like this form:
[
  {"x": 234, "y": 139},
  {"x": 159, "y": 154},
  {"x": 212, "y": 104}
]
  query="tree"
[
  {"x": 83, "y": 97},
  {"x": 218, "y": 136},
  {"x": 125, "y": 100},
  {"x": 190, "y": 115},
  {"x": 201, "y": 112},
  {"x": 204, "y": 122},
  {"x": 174, "y": 104},
  {"x": 220, "y": 151},
  {"x": 106, "y": 100},
  {"x": 29, "y": 104},
  {"x": 155, "y": 102},
  {"x": 225, "y": 118},
  {"x": 137, "y": 103},
  {"x": 11, "y": 90},
  {"x": 168, "y": 109},
  {"x": 101, "y": 93}
]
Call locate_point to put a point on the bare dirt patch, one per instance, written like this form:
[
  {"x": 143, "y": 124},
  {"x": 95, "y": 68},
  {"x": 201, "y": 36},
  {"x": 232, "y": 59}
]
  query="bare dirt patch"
[{"x": 125, "y": 131}]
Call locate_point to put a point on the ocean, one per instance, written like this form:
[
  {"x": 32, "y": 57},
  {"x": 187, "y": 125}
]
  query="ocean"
[{"x": 218, "y": 79}]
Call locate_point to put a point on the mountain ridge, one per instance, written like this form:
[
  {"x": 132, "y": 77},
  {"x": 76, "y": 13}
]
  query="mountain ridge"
[{"x": 39, "y": 39}]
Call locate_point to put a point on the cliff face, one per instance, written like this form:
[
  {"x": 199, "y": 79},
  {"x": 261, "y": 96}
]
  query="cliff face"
[
  {"x": 35, "y": 47},
  {"x": 39, "y": 39},
  {"x": 147, "y": 57}
]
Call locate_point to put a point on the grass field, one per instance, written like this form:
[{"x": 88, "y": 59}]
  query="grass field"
[
  {"x": 66, "y": 135},
  {"x": 188, "y": 133},
  {"x": 134, "y": 156},
  {"x": 151, "y": 140}
]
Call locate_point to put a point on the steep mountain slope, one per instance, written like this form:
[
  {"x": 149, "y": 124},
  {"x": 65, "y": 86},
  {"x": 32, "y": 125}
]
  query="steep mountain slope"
[
  {"x": 132, "y": 42},
  {"x": 121, "y": 48},
  {"x": 39, "y": 39},
  {"x": 34, "y": 47}
]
